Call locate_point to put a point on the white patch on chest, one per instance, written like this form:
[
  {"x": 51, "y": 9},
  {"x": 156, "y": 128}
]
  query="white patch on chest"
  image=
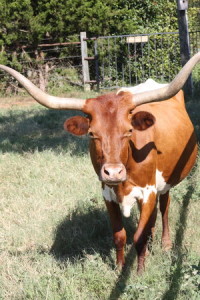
[
  {"x": 109, "y": 194},
  {"x": 137, "y": 193},
  {"x": 161, "y": 186},
  {"x": 148, "y": 85}
]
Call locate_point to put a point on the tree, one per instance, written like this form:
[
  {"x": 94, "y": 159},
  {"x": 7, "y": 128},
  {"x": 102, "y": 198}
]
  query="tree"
[
  {"x": 107, "y": 17},
  {"x": 15, "y": 19},
  {"x": 29, "y": 20}
]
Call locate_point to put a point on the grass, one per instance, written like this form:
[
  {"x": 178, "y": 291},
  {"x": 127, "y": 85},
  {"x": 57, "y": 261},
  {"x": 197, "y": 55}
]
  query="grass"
[{"x": 55, "y": 236}]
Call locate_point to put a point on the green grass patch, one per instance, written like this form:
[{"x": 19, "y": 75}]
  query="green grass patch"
[{"x": 55, "y": 236}]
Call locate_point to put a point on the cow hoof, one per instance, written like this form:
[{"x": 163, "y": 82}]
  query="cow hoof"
[
  {"x": 166, "y": 245},
  {"x": 119, "y": 267},
  {"x": 147, "y": 252},
  {"x": 140, "y": 270}
]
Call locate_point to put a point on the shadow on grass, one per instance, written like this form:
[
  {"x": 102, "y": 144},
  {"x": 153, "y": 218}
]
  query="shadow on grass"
[
  {"x": 81, "y": 234},
  {"x": 36, "y": 130},
  {"x": 175, "y": 278},
  {"x": 120, "y": 286},
  {"x": 87, "y": 233}
]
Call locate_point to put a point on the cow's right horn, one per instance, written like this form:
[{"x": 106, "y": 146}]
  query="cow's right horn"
[{"x": 43, "y": 98}]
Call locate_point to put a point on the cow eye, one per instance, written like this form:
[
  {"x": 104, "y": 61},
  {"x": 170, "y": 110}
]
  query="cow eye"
[
  {"x": 93, "y": 135},
  {"x": 90, "y": 134},
  {"x": 128, "y": 133}
]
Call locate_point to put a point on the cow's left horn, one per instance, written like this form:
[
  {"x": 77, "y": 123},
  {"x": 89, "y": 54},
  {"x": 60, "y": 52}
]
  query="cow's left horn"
[
  {"x": 43, "y": 98},
  {"x": 170, "y": 89}
]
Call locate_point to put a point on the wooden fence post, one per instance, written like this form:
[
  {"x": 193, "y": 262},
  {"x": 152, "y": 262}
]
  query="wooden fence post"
[
  {"x": 182, "y": 6},
  {"x": 85, "y": 65}
]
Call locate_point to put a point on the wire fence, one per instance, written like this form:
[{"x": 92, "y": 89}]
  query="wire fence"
[
  {"x": 131, "y": 59},
  {"x": 194, "y": 48},
  {"x": 124, "y": 60},
  {"x": 51, "y": 66}
]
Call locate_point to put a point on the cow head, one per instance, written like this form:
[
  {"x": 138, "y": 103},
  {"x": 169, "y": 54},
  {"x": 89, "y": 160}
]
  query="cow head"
[{"x": 110, "y": 123}]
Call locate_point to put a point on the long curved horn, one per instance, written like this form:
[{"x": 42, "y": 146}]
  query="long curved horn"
[
  {"x": 168, "y": 90},
  {"x": 43, "y": 98}
]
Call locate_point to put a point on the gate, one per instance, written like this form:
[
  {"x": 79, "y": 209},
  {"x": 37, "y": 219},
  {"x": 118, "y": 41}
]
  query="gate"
[{"x": 127, "y": 60}]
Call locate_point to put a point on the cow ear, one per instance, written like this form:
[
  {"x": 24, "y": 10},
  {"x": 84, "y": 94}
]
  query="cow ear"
[
  {"x": 142, "y": 120},
  {"x": 77, "y": 125}
]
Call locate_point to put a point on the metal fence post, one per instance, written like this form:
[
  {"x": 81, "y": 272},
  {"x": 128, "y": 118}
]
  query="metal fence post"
[
  {"x": 184, "y": 40},
  {"x": 96, "y": 63},
  {"x": 85, "y": 65}
]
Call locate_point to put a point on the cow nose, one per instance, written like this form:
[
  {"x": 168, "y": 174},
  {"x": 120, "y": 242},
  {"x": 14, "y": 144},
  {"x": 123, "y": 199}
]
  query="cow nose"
[{"x": 113, "y": 173}]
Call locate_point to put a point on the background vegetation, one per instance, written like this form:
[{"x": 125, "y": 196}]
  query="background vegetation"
[
  {"x": 33, "y": 20},
  {"x": 25, "y": 24},
  {"x": 29, "y": 21}
]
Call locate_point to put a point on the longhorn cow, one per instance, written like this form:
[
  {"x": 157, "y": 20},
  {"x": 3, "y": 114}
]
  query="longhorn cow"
[{"x": 140, "y": 148}]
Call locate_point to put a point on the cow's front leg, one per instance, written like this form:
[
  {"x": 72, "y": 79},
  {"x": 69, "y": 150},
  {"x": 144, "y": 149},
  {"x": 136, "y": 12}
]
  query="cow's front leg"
[
  {"x": 119, "y": 232},
  {"x": 148, "y": 212},
  {"x": 164, "y": 208}
]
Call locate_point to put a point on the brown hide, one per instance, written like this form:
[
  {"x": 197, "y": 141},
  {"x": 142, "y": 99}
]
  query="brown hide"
[{"x": 173, "y": 138}]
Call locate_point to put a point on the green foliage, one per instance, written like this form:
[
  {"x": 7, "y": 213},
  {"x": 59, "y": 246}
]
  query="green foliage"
[
  {"x": 29, "y": 21},
  {"x": 15, "y": 19},
  {"x": 3, "y": 58},
  {"x": 194, "y": 15}
]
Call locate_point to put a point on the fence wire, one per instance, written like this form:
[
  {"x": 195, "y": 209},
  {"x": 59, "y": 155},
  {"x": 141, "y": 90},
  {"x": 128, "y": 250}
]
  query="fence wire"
[
  {"x": 123, "y": 60},
  {"x": 131, "y": 59},
  {"x": 54, "y": 67},
  {"x": 128, "y": 60}
]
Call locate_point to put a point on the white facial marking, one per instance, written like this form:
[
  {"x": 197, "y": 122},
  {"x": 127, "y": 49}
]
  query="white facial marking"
[
  {"x": 137, "y": 193},
  {"x": 148, "y": 85},
  {"x": 109, "y": 194},
  {"x": 161, "y": 186}
]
